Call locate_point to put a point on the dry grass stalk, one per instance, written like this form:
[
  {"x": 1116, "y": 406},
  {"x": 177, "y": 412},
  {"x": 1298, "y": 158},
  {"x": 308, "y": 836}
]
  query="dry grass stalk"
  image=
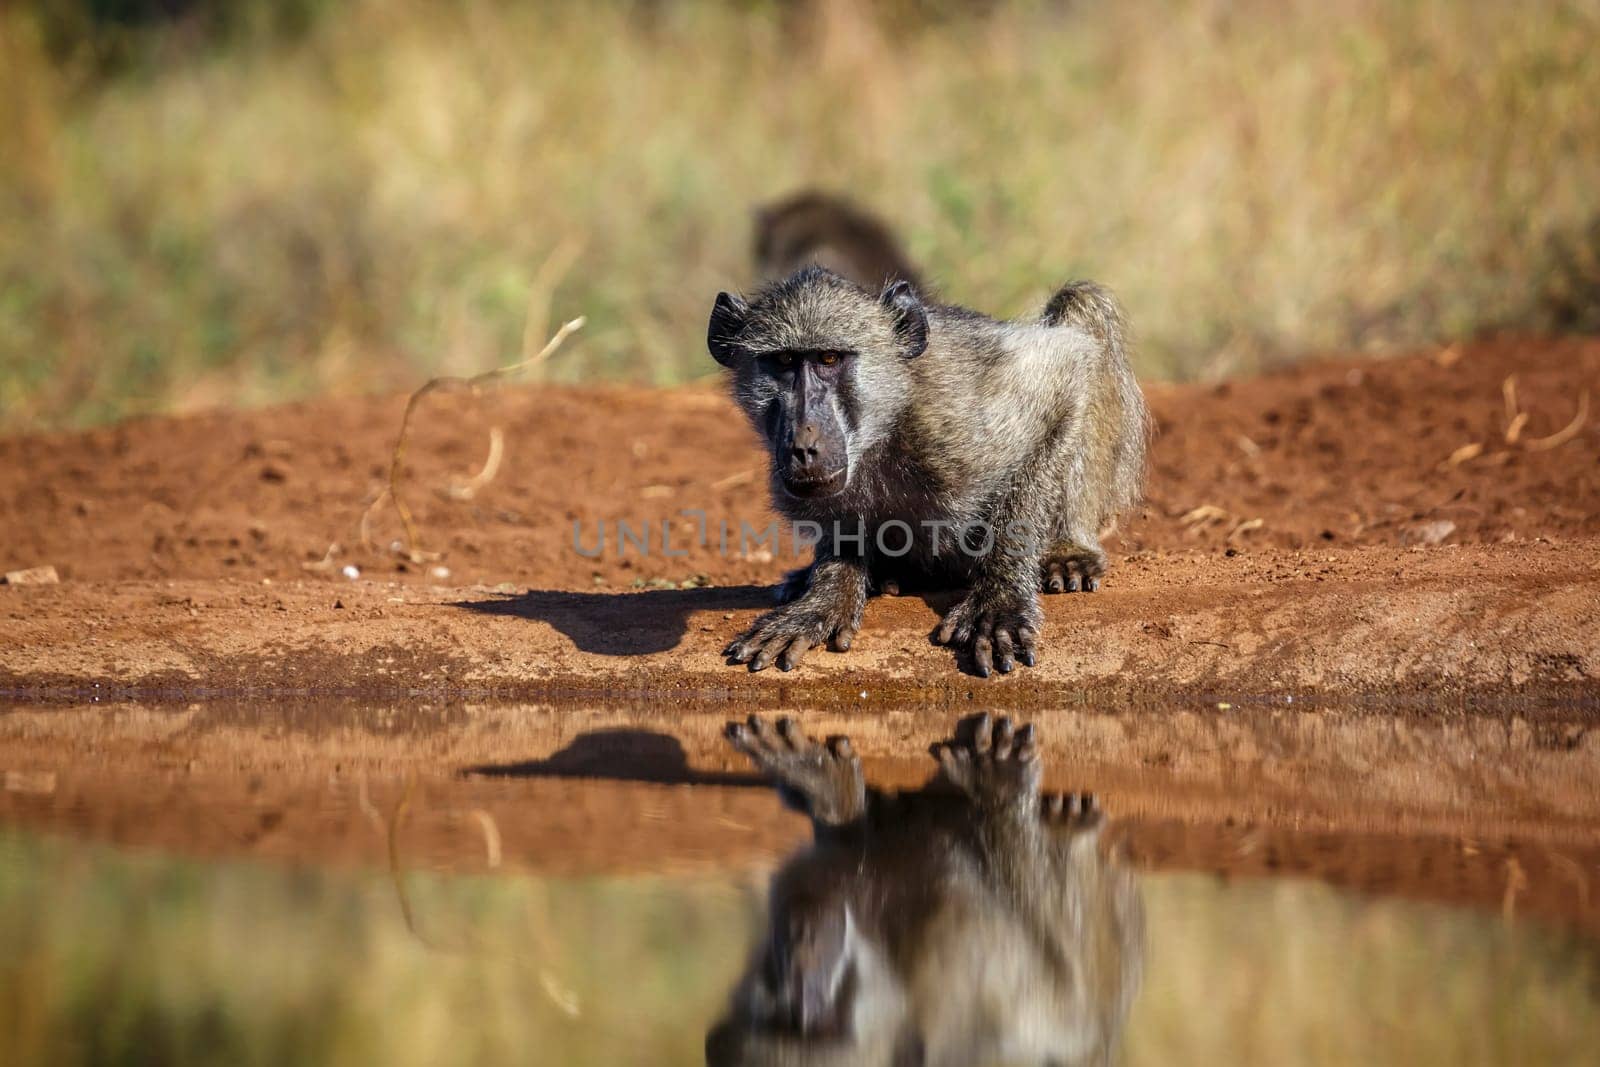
[
  {"x": 736, "y": 478},
  {"x": 1243, "y": 528},
  {"x": 491, "y": 466},
  {"x": 1566, "y": 433},
  {"x": 473, "y": 385}
]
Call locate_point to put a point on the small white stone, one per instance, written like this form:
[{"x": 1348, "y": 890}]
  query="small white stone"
[
  {"x": 351, "y": 571},
  {"x": 45, "y": 575}
]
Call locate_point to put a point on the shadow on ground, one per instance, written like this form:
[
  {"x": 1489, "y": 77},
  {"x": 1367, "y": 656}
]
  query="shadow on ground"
[
  {"x": 624, "y": 624},
  {"x": 625, "y": 755}
]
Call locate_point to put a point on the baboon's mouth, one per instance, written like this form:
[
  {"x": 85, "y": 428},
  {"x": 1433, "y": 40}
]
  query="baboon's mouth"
[{"x": 825, "y": 485}]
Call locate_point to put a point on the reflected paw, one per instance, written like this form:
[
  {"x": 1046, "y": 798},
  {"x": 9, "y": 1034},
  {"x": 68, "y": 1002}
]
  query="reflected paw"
[
  {"x": 825, "y": 778},
  {"x": 998, "y": 765},
  {"x": 1070, "y": 811}
]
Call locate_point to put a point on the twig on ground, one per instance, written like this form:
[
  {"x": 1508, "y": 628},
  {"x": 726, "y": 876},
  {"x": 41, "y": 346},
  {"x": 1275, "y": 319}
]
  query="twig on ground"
[
  {"x": 1243, "y": 528},
  {"x": 326, "y": 562},
  {"x": 1197, "y": 519}
]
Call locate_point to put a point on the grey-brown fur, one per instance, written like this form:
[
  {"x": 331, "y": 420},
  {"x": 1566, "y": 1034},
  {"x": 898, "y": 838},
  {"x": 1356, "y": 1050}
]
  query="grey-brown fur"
[
  {"x": 984, "y": 925},
  {"x": 821, "y": 229},
  {"x": 1034, "y": 429}
]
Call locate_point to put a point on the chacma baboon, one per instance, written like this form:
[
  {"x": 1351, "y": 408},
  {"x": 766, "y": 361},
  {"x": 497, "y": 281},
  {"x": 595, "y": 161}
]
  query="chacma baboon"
[
  {"x": 989, "y": 925},
  {"x": 936, "y": 447},
  {"x": 820, "y": 229}
]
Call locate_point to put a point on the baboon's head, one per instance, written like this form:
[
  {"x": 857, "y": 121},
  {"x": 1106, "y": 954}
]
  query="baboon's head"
[{"x": 819, "y": 367}]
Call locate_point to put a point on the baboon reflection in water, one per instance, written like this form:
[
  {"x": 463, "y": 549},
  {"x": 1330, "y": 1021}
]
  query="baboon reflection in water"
[{"x": 984, "y": 924}]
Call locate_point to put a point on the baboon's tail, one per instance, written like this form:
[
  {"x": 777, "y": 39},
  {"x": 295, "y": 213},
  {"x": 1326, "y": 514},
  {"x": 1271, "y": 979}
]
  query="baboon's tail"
[{"x": 1093, "y": 308}]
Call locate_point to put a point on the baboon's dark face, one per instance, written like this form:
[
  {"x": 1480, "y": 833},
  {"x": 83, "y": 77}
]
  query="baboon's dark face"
[
  {"x": 818, "y": 368},
  {"x": 809, "y": 417}
]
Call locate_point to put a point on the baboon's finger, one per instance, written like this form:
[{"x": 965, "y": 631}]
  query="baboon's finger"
[
  {"x": 841, "y": 748},
  {"x": 1005, "y": 659},
  {"x": 1074, "y": 583},
  {"x": 1091, "y": 585},
  {"x": 946, "y": 630},
  {"x": 793, "y": 736},
  {"x": 1026, "y": 636},
  {"x": 794, "y": 654},
  {"x": 1004, "y": 731},
  {"x": 983, "y": 734},
  {"x": 769, "y": 650},
  {"x": 982, "y": 656},
  {"x": 764, "y": 732},
  {"x": 1027, "y": 748},
  {"x": 890, "y": 588},
  {"x": 1055, "y": 582},
  {"x": 843, "y": 639}
]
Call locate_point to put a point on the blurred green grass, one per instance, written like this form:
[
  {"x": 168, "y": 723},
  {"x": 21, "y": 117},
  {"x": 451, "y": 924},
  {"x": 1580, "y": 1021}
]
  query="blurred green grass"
[{"x": 367, "y": 198}]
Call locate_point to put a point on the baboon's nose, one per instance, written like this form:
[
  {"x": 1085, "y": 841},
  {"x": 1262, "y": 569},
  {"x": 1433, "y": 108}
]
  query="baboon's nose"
[{"x": 806, "y": 438}]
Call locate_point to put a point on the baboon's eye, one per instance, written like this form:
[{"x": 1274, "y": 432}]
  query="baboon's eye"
[
  {"x": 784, "y": 359},
  {"x": 828, "y": 359}
]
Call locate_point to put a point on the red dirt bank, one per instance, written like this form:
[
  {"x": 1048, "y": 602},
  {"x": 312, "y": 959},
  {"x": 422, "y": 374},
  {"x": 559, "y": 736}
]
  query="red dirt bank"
[{"x": 1324, "y": 529}]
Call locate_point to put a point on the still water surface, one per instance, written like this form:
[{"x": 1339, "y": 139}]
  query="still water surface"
[{"x": 110, "y": 956}]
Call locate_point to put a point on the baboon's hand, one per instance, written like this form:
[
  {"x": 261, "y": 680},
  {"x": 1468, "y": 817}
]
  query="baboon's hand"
[
  {"x": 998, "y": 766},
  {"x": 999, "y": 629},
  {"x": 825, "y": 778},
  {"x": 784, "y": 636}
]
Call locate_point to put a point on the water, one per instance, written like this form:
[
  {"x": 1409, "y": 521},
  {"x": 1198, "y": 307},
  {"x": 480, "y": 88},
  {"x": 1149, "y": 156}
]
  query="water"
[
  {"x": 112, "y": 956},
  {"x": 300, "y": 903}
]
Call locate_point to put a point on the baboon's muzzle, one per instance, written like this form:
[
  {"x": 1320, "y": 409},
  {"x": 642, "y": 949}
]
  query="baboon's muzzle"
[{"x": 812, "y": 461}]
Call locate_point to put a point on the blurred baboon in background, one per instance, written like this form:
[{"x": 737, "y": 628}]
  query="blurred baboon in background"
[
  {"x": 813, "y": 228},
  {"x": 983, "y": 925}
]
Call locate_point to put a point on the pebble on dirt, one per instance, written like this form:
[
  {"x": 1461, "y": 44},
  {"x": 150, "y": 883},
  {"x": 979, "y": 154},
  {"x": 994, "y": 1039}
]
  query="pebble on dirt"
[
  {"x": 45, "y": 575},
  {"x": 1427, "y": 533}
]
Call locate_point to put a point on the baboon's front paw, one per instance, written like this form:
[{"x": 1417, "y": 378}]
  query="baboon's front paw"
[
  {"x": 997, "y": 631},
  {"x": 1070, "y": 570},
  {"x": 826, "y": 776},
  {"x": 999, "y": 764},
  {"x": 785, "y": 636}
]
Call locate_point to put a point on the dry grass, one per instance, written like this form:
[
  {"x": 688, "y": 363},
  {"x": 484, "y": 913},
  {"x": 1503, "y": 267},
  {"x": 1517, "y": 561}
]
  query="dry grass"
[{"x": 369, "y": 204}]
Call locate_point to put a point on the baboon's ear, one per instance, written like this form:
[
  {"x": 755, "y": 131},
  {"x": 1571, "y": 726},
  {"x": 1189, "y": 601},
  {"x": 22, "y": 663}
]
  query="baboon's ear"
[
  {"x": 727, "y": 319},
  {"x": 910, "y": 317}
]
